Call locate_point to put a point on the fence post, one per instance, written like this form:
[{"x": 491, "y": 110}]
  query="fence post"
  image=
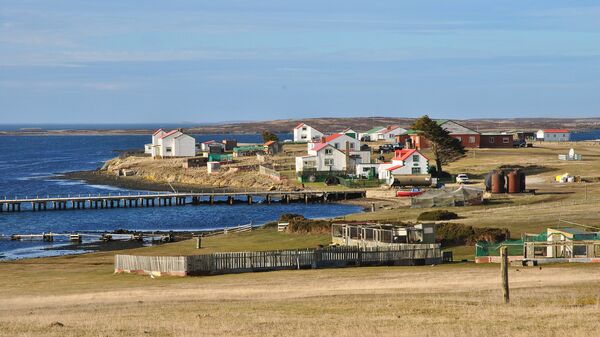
[
  {"x": 504, "y": 273},
  {"x": 199, "y": 241}
]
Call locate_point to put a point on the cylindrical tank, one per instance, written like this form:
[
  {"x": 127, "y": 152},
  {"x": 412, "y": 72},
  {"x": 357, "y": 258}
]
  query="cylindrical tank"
[
  {"x": 514, "y": 182},
  {"x": 498, "y": 182},
  {"x": 522, "y": 179},
  {"x": 488, "y": 181},
  {"x": 412, "y": 180}
]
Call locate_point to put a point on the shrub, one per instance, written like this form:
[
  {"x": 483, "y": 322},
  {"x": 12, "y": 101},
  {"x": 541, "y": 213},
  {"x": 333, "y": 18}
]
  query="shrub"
[
  {"x": 437, "y": 215},
  {"x": 300, "y": 224},
  {"x": 459, "y": 234}
]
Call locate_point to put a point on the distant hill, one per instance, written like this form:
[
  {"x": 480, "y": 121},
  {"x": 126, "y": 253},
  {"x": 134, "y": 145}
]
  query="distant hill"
[
  {"x": 360, "y": 124},
  {"x": 329, "y": 125}
]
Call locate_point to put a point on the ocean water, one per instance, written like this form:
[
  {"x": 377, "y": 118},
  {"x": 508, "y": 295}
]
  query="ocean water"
[{"x": 31, "y": 165}]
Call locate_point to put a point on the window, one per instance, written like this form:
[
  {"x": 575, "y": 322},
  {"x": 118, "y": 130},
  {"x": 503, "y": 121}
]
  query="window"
[
  {"x": 472, "y": 139},
  {"x": 303, "y": 136},
  {"x": 336, "y": 145},
  {"x": 328, "y": 161},
  {"x": 328, "y": 151},
  {"x": 492, "y": 140},
  {"x": 309, "y": 164},
  {"x": 304, "y": 128},
  {"x": 416, "y": 158},
  {"x": 351, "y": 145},
  {"x": 168, "y": 149},
  {"x": 416, "y": 170},
  {"x": 505, "y": 140}
]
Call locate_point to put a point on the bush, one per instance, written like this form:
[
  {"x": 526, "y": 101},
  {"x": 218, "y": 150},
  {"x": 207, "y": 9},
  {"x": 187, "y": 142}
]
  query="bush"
[
  {"x": 437, "y": 215},
  {"x": 300, "y": 224},
  {"x": 459, "y": 234}
]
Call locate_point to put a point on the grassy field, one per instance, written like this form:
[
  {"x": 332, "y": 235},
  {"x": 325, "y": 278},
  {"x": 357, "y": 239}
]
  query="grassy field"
[{"x": 464, "y": 299}]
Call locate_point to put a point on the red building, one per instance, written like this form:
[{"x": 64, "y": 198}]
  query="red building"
[{"x": 469, "y": 138}]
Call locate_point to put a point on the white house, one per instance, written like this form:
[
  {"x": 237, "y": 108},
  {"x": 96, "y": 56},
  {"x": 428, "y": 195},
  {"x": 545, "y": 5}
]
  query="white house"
[
  {"x": 306, "y": 133},
  {"x": 338, "y": 140},
  {"x": 372, "y": 134},
  {"x": 554, "y": 135},
  {"x": 404, "y": 162},
  {"x": 390, "y": 133},
  {"x": 322, "y": 157},
  {"x": 171, "y": 144}
]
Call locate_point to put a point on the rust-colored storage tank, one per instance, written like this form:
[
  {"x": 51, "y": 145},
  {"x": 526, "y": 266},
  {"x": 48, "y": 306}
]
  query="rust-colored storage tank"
[
  {"x": 514, "y": 182},
  {"x": 498, "y": 182}
]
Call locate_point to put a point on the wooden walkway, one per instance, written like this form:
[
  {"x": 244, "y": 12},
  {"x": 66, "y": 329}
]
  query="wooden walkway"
[{"x": 90, "y": 201}]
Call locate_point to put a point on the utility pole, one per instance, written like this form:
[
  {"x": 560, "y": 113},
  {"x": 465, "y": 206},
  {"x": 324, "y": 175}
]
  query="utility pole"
[{"x": 504, "y": 273}]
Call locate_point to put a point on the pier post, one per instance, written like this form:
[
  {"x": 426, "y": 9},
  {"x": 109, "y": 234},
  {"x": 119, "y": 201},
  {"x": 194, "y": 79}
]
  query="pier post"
[
  {"x": 249, "y": 200},
  {"x": 230, "y": 200},
  {"x": 306, "y": 198},
  {"x": 211, "y": 199},
  {"x": 170, "y": 201}
]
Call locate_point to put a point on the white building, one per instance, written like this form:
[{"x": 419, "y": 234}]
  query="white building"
[
  {"x": 171, "y": 144},
  {"x": 306, "y": 133},
  {"x": 404, "y": 162},
  {"x": 330, "y": 155},
  {"x": 554, "y": 135},
  {"x": 390, "y": 133}
]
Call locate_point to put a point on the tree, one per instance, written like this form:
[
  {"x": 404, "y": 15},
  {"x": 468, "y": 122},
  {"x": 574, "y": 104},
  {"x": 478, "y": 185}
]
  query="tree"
[
  {"x": 446, "y": 148},
  {"x": 269, "y": 136}
]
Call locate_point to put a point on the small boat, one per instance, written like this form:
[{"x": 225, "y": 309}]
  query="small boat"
[{"x": 409, "y": 193}]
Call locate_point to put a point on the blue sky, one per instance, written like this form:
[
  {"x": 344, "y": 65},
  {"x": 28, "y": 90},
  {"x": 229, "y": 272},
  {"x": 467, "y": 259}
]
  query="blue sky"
[{"x": 209, "y": 61}]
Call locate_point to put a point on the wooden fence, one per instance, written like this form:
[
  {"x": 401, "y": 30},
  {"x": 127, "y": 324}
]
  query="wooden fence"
[
  {"x": 269, "y": 172},
  {"x": 240, "y": 262}
]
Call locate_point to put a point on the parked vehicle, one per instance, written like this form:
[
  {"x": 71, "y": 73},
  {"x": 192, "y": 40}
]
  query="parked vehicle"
[
  {"x": 520, "y": 143},
  {"x": 386, "y": 148},
  {"x": 462, "y": 178}
]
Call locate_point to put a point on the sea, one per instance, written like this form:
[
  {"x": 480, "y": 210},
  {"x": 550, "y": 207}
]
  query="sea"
[{"x": 32, "y": 166}]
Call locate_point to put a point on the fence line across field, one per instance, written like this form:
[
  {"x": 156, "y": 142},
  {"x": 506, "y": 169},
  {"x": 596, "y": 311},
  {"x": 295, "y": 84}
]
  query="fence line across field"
[{"x": 239, "y": 262}]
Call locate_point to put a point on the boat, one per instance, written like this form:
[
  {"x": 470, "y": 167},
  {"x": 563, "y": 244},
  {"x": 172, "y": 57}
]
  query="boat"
[{"x": 409, "y": 193}]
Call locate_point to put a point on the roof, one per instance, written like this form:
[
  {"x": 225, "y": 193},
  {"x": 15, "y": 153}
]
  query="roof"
[
  {"x": 157, "y": 131},
  {"x": 269, "y": 143},
  {"x": 375, "y": 129},
  {"x": 391, "y": 128},
  {"x": 299, "y": 126},
  {"x": 394, "y": 167},
  {"x": 332, "y": 137},
  {"x": 556, "y": 131},
  {"x": 455, "y": 128},
  {"x": 319, "y": 146},
  {"x": 170, "y": 133},
  {"x": 209, "y": 141},
  {"x": 403, "y": 154}
]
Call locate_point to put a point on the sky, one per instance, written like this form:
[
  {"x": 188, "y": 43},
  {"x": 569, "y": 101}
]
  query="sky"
[{"x": 125, "y": 61}]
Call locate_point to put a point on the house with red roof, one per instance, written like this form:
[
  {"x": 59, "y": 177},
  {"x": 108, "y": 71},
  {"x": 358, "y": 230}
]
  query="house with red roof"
[
  {"x": 336, "y": 152},
  {"x": 306, "y": 133},
  {"x": 174, "y": 143},
  {"x": 554, "y": 135},
  {"x": 404, "y": 162}
]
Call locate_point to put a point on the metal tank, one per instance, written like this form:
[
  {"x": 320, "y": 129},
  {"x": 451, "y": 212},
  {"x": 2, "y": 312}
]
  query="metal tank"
[
  {"x": 498, "y": 182},
  {"x": 522, "y": 180},
  {"x": 514, "y": 182}
]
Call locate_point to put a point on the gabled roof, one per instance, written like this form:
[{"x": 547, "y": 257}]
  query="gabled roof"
[
  {"x": 319, "y": 146},
  {"x": 403, "y": 154},
  {"x": 375, "y": 129},
  {"x": 391, "y": 128},
  {"x": 456, "y": 129},
  {"x": 157, "y": 131},
  {"x": 170, "y": 133},
  {"x": 304, "y": 124},
  {"x": 394, "y": 167},
  {"x": 332, "y": 137},
  {"x": 209, "y": 142},
  {"x": 556, "y": 131}
]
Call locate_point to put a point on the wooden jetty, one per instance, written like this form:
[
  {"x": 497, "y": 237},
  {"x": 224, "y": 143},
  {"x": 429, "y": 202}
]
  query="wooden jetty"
[
  {"x": 78, "y": 237},
  {"x": 81, "y": 202}
]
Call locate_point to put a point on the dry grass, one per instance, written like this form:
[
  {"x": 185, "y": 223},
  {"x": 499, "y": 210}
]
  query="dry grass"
[{"x": 456, "y": 300}]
